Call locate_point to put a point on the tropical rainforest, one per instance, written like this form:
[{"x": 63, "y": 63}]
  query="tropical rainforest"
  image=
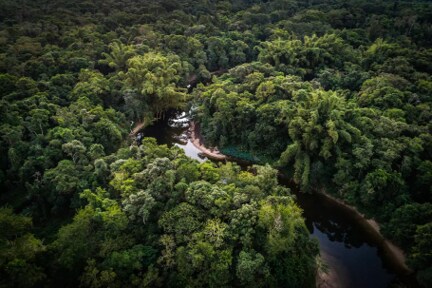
[{"x": 335, "y": 94}]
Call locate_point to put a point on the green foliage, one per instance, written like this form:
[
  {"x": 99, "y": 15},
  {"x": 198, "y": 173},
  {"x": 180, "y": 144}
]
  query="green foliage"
[
  {"x": 102, "y": 219},
  {"x": 182, "y": 231},
  {"x": 151, "y": 84},
  {"x": 305, "y": 57},
  {"x": 251, "y": 270},
  {"x": 19, "y": 251},
  {"x": 339, "y": 104},
  {"x": 280, "y": 220},
  {"x": 118, "y": 56},
  {"x": 421, "y": 257},
  {"x": 405, "y": 221},
  {"x": 336, "y": 94}
]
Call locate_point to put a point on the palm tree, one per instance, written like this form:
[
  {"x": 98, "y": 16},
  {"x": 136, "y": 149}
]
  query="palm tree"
[
  {"x": 319, "y": 127},
  {"x": 119, "y": 55}
]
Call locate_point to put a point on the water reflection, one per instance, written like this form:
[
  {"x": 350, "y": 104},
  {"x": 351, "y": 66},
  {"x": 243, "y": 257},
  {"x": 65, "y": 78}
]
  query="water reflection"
[
  {"x": 344, "y": 245},
  {"x": 173, "y": 130}
]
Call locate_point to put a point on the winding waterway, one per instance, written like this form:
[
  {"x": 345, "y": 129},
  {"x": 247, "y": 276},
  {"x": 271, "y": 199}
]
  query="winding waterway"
[{"x": 354, "y": 255}]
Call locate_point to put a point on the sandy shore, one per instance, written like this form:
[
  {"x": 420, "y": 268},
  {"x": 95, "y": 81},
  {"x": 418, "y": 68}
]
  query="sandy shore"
[
  {"x": 335, "y": 276},
  {"x": 196, "y": 139}
]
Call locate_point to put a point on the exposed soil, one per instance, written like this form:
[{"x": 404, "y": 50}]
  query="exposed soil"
[
  {"x": 138, "y": 126},
  {"x": 197, "y": 141}
]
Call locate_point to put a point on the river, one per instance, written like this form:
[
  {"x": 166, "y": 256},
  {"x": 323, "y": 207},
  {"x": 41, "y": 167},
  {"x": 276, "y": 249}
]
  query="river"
[{"x": 353, "y": 254}]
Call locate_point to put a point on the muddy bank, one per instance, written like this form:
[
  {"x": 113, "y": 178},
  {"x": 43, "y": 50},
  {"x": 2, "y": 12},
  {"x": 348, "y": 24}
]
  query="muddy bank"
[
  {"x": 391, "y": 251},
  {"x": 196, "y": 139},
  {"x": 333, "y": 275}
]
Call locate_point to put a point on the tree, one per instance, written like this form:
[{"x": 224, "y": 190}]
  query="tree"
[
  {"x": 75, "y": 149},
  {"x": 286, "y": 235},
  {"x": 206, "y": 260},
  {"x": 139, "y": 205},
  {"x": 318, "y": 127},
  {"x": 405, "y": 221},
  {"x": 152, "y": 79},
  {"x": 37, "y": 122},
  {"x": 19, "y": 251},
  {"x": 421, "y": 257},
  {"x": 182, "y": 221},
  {"x": 93, "y": 227},
  {"x": 251, "y": 269},
  {"x": 118, "y": 56},
  {"x": 63, "y": 183}
]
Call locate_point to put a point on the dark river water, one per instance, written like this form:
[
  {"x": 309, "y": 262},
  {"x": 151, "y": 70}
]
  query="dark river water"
[{"x": 350, "y": 251}]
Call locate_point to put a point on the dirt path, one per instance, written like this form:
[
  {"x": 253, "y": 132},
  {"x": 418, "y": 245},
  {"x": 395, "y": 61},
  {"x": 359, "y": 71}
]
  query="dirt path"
[{"x": 196, "y": 140}]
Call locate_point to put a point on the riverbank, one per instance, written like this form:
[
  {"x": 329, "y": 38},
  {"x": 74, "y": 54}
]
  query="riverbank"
[
  {"x": 333, "y": 275},
  {"x": 392, "y": 252},
  {"x": 394, "y": 255},
  {"x": 197, "y": 141}
]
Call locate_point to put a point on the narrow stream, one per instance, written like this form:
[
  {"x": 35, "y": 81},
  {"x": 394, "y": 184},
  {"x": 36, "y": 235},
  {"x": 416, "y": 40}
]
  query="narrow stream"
[{"x": 351, "y": 253}]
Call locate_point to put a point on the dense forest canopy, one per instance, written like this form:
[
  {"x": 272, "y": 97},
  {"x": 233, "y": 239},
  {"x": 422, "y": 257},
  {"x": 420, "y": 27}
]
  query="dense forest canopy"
[{"x": 336, "y": 94}]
